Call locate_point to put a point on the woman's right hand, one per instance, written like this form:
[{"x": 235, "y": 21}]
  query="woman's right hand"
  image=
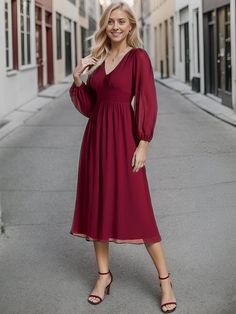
[{"x": 81, "y": 67}]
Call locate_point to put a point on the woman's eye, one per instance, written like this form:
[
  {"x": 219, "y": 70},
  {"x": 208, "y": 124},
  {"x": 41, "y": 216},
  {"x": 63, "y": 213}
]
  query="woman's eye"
[{"x": 109, "y": 22}]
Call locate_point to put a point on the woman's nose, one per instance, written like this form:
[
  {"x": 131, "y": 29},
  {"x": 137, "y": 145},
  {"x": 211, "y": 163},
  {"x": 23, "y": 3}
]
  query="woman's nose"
[{"x": 115, "y": 25}]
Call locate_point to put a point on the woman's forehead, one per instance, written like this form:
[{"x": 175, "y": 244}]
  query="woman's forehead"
[{"x": 118, "y": 14}]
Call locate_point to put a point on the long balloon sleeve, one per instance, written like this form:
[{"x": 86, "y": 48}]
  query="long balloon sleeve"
[
  {"x": 83, "y": 98},
  {"x": 145, "y": 104}
]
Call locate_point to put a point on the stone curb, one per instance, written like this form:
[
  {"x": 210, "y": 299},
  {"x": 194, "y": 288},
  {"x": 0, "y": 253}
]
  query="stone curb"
[{"x": 18, "y": 116}]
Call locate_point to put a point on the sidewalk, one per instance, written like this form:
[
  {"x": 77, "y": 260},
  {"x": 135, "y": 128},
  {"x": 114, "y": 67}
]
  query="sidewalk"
[
  {"x": 17, "y": 117},
  {"x": 202, "y": 101}
]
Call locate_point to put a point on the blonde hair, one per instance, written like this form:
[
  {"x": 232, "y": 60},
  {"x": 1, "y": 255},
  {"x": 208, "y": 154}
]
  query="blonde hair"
[{"x": 102, "y": 41}]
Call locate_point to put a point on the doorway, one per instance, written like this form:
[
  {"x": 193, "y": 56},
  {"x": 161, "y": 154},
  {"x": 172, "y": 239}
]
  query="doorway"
[
  {"x": 212, "y": 81},
  {"x": 39, "y": 50},
  {"x": 224, "y": 77},
  {"x": 186, "y": 52},
  {"x": 48, "y": 22},
  {"x": 68, "y": 52},
  {"x": 218, "y": 54},
  {"x": 167, "y": 48}
]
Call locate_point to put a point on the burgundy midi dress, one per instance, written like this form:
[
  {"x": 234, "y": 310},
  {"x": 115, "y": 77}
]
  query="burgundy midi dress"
[{"x": 113, "y": 203}]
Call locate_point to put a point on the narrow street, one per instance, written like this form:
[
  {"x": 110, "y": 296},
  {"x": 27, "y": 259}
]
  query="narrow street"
[{"x": 191, "y": 169}]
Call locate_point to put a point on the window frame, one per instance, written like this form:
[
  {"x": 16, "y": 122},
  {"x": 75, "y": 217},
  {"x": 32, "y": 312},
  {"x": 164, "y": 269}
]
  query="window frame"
[
  {"x": 9, "y": 49},
  {"x": 27, "y": 34}
]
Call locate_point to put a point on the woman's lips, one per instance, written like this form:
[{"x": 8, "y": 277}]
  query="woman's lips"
[{"x": 116, "y": 34}]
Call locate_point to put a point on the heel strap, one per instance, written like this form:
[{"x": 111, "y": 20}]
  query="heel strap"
[
  {"x": 164, "y": 277},
  {"x": 104, "y": 273}
]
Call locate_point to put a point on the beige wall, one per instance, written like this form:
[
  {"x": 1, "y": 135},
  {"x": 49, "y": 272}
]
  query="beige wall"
[
  {"x": 155, "y": 13},
  {"x": 70, "y": 11},
  {"x": 163, "y": 41}
]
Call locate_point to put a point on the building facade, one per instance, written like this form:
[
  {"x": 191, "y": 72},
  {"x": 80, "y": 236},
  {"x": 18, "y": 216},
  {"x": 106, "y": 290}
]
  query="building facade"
[
  {"x": 218, "y": 50},
  {"x": 89, "y": 14},
  {"x": 193, "y": 41},
  {"x": 18, "y": 66},
  {"x": 164, "y": 40},
  {"x": 156, "y": 23},
  {"x": 65, "y": 37},
  {"x": 44, "y": 43},
  {"x": 189, "y": 54},
  {"x": 41, "y": 42}
]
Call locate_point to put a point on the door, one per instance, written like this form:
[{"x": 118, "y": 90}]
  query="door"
[
  {"x": 49, "y": 50},
  {"x": 221, "y": 52},
  {"x": 211, "y": 57},
  {"x": 224, "y": 77},
  {"x": 187, "y": 55},
  {"x": 228, "y": 71},
  {"x": 167, "y": 48},
  {"x": 39, "y": 51},
  {"x": 68, "y": 53}
]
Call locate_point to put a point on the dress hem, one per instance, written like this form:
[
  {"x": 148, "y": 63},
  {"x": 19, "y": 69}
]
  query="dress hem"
[{"x": 118, "y": 241}]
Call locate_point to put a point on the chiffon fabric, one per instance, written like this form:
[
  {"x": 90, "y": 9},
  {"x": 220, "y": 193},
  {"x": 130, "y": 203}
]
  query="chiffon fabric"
[{"x": 113, "y": 203}]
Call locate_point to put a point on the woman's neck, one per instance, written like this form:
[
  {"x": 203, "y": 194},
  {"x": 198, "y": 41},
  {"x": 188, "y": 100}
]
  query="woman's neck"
[{"x": 117, "y": 48}]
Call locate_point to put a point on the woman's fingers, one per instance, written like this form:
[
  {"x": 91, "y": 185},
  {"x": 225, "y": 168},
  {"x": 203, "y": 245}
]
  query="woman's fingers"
[
  {"x": 133, "y": 161},
  {"x": 83, "y": 64},
  {"x": 138, "y": 165}
]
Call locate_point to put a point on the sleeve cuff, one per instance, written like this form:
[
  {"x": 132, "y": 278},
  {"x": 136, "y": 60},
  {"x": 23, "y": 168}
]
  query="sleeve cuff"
[
  {"x": 145, "y": 138},
  {"x": 74, "y": 88}
]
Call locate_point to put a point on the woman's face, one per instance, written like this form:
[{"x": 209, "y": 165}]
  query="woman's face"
[{"x": 118, "y": 26}]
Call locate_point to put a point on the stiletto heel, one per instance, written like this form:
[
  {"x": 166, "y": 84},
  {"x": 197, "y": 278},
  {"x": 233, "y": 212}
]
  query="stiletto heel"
[
  {"x": 168, "y": 303},
  {"x": 107, "y": 290}
]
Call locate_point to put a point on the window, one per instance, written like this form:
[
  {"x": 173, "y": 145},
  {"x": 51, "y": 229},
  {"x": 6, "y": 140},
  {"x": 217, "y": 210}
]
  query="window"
[
  {"x": 83, "y": 42},
  {"x": 25, "y": 31},
  {"x": 180, "y": 43},
  {"x": 197, "y": 38},
  {"x": 8, "y": 34},
  {"x": 82, "y": 10},
  {"x": 58, "y": 25},
  {"x": 172, "y": 43}
]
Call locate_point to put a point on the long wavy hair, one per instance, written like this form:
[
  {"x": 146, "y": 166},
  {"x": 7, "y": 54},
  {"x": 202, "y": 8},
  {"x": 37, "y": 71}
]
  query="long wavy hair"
[{"x": 102, "y": 41}]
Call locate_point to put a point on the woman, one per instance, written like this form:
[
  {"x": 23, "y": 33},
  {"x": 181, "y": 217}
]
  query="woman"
[{"x": 113, "y": 201}]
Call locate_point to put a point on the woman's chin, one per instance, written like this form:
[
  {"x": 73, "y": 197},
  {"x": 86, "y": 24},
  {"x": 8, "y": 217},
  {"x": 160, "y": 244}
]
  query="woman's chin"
[{"x": 117, "y": 39}]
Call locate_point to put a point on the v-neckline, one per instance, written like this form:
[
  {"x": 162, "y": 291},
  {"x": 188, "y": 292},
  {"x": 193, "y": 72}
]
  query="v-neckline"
[{"x": 104, "y": 63}]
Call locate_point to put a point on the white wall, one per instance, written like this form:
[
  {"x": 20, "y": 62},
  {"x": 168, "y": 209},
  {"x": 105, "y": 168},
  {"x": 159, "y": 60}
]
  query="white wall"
[
  {"x": 17, "y": 86},
  {"x": 189, "y": 15}
]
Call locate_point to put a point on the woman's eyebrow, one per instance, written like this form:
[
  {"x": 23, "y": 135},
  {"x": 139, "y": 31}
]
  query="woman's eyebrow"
[{"x": 120, "y": 18}]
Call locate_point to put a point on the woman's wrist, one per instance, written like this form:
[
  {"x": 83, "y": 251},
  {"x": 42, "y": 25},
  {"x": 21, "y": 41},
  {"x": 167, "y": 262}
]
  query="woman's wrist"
[
  {"x": 143, "y": 143},
  {"x": 78, "y": 82}
]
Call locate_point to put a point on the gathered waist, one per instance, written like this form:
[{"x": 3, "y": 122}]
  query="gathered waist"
[{"x": 113, "y": 102}]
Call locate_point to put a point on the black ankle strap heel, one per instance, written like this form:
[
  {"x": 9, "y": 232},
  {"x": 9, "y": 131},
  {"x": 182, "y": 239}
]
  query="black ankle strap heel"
[{"x": 107, "y": 289}]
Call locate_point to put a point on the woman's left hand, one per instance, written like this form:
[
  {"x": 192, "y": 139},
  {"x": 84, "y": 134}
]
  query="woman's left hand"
[{"x": 140, "y": 156}]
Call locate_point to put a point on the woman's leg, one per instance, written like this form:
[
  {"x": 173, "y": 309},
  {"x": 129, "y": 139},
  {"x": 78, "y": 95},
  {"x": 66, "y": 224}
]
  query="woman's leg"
[
  {"x": 156, "y": 252},
  {"x": 102, "y": 258}
]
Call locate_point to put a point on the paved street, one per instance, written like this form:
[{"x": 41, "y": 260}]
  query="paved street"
[{"x": 192, "y": 176}]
